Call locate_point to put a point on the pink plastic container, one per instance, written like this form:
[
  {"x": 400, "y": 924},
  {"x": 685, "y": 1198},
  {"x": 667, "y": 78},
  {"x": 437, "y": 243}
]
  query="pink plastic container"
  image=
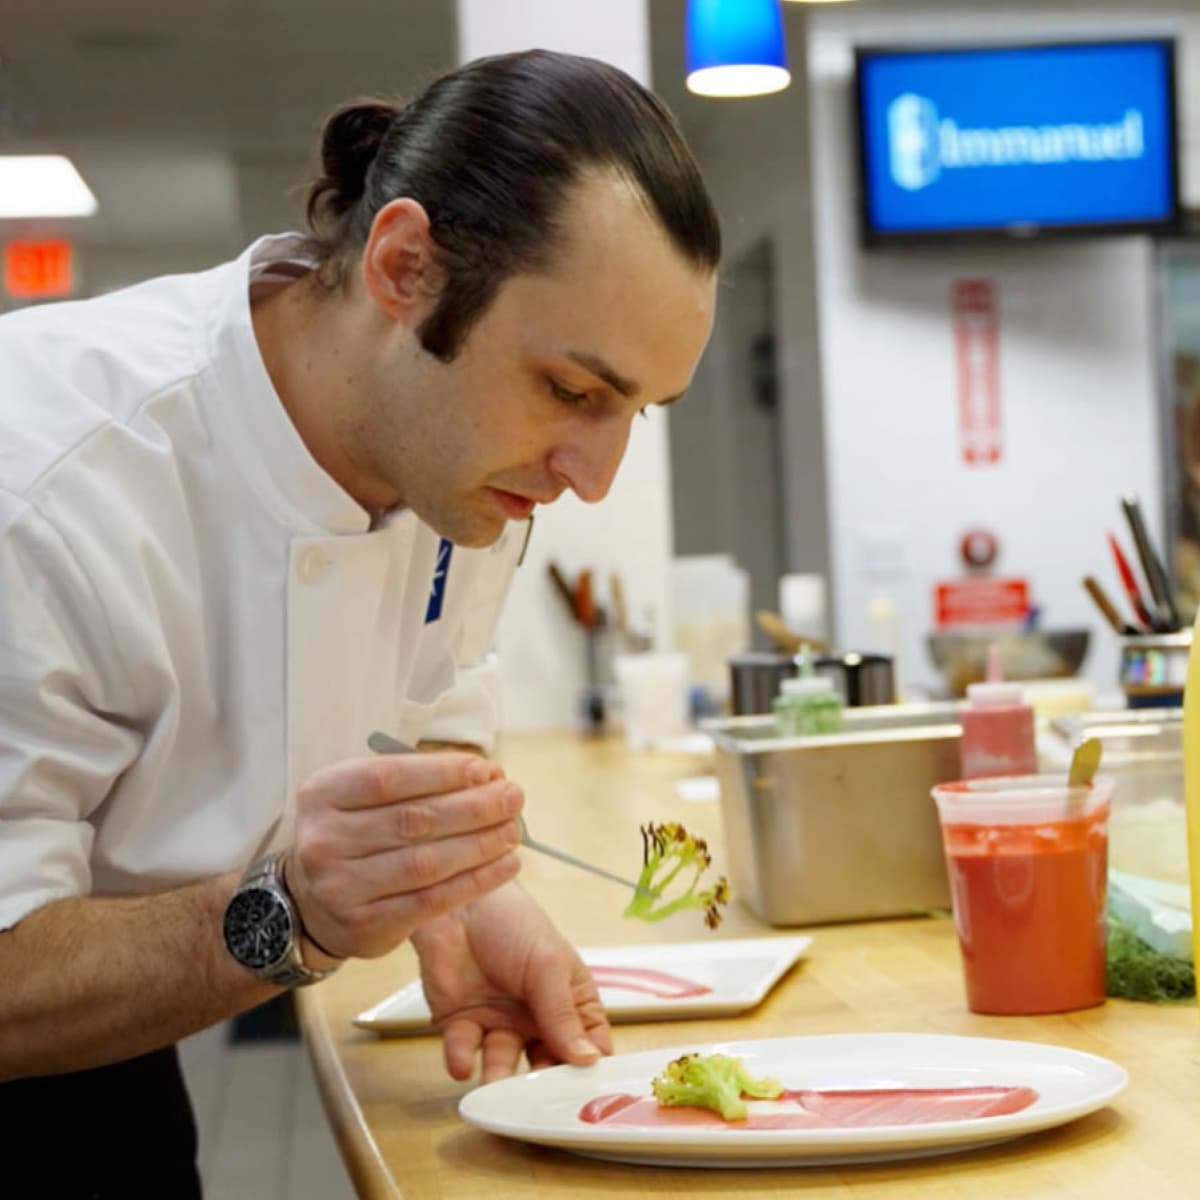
[{"x": 997, "y": 732}]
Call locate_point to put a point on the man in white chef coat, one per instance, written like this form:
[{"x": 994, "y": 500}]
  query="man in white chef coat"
[{"x": 248, "y": 516}]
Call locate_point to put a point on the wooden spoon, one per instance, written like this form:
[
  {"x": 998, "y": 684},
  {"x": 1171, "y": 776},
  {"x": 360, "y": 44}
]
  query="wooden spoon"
[
  {"x": 780, "y": 633},
  {"x": 1084, "y": 763}
]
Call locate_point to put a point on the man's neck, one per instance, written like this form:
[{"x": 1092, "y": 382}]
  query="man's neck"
[{"x": 307, "y": 346}]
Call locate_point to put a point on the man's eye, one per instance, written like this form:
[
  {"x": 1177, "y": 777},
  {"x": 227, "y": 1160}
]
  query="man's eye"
[{"x": 565, "y": 394}]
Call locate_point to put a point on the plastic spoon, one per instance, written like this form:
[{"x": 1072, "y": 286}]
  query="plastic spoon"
[{"x": 383, "y": 743}]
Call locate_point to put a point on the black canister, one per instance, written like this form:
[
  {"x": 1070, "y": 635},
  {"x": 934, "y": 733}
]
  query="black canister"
[
  {"x": 862, "y": 679},
  {"x": 755, "y": 679}
]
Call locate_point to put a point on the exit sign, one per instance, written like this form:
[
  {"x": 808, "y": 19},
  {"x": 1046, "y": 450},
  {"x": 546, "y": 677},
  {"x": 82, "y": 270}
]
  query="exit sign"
[{"x": 38, "y": 269}]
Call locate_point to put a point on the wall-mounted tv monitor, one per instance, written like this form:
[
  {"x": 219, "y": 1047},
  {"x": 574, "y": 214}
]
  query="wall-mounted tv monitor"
[{"x": 1017, "y": 140}]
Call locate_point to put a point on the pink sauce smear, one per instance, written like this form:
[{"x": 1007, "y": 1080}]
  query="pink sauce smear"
[
  {"x": 643, "y": 979},
  {"x": 808, "y": 1109}
]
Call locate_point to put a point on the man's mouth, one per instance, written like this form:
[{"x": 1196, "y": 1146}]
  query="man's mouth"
[{"x": 514, "y": 507}]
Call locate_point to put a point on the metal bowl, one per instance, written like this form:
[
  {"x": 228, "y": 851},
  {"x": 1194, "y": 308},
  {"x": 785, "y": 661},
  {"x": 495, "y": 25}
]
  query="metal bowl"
[{"x": 961, "y": 657}]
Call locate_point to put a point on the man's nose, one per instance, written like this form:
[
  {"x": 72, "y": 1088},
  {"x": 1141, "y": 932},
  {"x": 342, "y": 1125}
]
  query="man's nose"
[{"x": 588, "y": 463}]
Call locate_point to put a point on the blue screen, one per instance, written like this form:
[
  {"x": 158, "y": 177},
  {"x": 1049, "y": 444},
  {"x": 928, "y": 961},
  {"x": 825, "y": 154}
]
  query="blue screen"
[{"x": 1017, "y": 137}]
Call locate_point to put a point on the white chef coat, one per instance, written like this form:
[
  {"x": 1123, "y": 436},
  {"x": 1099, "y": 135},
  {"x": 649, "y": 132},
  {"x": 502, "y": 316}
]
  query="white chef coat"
[{"x": 194, "y": 616}]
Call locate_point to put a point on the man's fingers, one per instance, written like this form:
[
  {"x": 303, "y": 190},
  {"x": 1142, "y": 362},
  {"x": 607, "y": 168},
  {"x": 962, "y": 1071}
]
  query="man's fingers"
[
  {"x": 461, "y": 1039},
  {"x": 362, "y": 832},
  {"x": 407, "y": 869},
  {"x": 596, "y": 1026},
  {"x": 502, "y": 1050},
  {"x": 539, "y": 1055},
  {"x": 559, "y": 1014},
  {"x": 387, "y": 778}
]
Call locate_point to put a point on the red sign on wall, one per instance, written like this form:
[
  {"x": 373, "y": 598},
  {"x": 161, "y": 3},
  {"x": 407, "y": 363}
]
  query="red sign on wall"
[
  {"x": 980, "y": 600},
  {"x": 38, "y": 269},
  {"x": 976, "y": 351}
]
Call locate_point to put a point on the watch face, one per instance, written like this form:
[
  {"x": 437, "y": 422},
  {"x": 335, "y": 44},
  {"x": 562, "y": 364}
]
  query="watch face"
[{"x": 258, "y": 928}]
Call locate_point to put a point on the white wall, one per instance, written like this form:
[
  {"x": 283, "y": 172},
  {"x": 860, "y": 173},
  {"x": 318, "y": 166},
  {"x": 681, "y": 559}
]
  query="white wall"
[
  {"x": 1077, "y": 379},
  {"x": 756, "y": 161},
  {"x": 876, "y": 488},
  {"x": 541, "y": 651}
]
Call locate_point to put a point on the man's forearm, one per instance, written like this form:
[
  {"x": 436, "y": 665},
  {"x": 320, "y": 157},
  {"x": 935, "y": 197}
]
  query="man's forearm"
[{"x": 89, "y": 981}]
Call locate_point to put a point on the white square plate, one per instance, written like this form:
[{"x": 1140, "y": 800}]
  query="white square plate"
[
  {"x": 686, "y": 979},
  {"x": 543, "y": 1106}
]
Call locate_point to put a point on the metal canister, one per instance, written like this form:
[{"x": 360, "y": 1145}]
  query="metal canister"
[
  {"x": 862, "y": 679},
  {"x": 755, "y": 680}
]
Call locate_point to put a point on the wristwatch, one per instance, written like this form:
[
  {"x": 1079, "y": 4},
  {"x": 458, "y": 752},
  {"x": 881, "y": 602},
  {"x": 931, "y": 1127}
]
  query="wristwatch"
[{"x": 262, "y": 927}]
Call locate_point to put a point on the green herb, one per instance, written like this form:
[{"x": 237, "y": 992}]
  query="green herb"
[{"x": 1136, "y": 971}]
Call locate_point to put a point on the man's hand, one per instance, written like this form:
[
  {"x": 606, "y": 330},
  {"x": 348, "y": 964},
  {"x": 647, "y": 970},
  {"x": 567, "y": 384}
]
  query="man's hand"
[
  {"x": 500, "y": 979},
  {"x": 388, "y": 842}
]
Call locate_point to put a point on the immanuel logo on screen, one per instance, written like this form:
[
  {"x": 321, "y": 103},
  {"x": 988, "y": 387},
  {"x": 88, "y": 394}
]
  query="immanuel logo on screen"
[{"x": 923, "y": 143}]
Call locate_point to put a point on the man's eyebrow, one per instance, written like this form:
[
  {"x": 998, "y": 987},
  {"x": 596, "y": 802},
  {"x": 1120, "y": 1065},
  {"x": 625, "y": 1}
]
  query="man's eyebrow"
[
  {"x": 615, "y": 380},
  {"x": 602, "y": 370}
]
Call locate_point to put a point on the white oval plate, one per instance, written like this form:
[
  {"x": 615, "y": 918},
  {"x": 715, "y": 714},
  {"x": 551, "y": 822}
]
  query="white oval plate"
[{"x": 543, "y": 1106}]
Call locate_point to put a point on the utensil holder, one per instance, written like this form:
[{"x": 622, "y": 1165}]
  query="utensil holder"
[{"x": 1153, "y": 669}]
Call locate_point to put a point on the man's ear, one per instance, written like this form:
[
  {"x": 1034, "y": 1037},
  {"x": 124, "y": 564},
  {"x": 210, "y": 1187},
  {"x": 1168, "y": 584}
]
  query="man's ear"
[{"x": 399, "y": 264}]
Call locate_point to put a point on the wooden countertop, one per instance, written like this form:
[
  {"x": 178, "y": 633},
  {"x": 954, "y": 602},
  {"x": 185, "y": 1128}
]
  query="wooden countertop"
[{"x": 393, "y": 1108}]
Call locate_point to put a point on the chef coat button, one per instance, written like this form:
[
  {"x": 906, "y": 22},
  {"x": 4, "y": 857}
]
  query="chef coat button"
[{"x": 314, "y": 564}]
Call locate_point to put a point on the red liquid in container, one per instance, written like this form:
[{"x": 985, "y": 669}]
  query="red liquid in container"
[{"x": 1029, "y": 908}]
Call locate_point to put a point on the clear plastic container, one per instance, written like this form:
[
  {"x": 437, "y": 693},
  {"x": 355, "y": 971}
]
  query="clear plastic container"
[
  {"x": 807, "y": 706},
  {"x": 1143, "y": 755},
  {"x": 653, "y": 692},
  {"x": 1028, "y": 864}
]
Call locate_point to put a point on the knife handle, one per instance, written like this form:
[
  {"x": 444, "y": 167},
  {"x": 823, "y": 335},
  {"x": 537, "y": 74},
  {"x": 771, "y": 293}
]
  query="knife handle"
[{"x": 1152, "y": 569}]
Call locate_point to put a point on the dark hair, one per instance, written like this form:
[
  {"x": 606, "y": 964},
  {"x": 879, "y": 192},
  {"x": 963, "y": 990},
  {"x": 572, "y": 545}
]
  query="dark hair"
[{"x": 490, "y": 151}]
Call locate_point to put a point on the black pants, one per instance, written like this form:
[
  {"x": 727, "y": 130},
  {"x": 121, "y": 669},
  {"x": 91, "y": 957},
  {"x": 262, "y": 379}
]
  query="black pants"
[{"x": 120, "y": 1132}]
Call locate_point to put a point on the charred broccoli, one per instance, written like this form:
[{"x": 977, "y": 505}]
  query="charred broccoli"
[
  {"x": 667, "y": 850},
  {"x": 715, "y": 1081}
]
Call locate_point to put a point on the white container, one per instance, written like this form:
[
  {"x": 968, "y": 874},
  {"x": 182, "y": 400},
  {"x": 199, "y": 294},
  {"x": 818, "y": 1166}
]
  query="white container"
[
  {"x": 653, "y": 693},
  {"x": 803, "y": 606},
  {"x": 711, "y": 599}
]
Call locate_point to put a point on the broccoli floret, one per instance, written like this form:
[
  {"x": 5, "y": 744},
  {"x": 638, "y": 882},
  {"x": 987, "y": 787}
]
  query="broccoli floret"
[
  {"x": 667, "y": 850},
  {"x": 715, "y": 1081}
]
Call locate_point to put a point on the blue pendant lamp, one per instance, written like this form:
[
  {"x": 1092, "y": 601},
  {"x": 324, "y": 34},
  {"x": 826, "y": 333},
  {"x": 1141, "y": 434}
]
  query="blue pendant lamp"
[{"x": 735, "y": 48}]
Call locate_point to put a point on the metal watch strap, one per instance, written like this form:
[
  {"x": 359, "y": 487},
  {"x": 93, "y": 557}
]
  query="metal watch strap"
[
  {"x": 290, "y": 971},
  {"x": 264, "y": 870}
]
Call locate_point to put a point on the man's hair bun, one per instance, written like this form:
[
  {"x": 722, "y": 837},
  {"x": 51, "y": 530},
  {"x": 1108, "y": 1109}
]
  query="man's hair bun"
[{"x": 349, "y": 143}]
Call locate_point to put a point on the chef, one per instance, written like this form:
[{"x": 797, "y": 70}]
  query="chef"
[{"x": 250, "y": 515}]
